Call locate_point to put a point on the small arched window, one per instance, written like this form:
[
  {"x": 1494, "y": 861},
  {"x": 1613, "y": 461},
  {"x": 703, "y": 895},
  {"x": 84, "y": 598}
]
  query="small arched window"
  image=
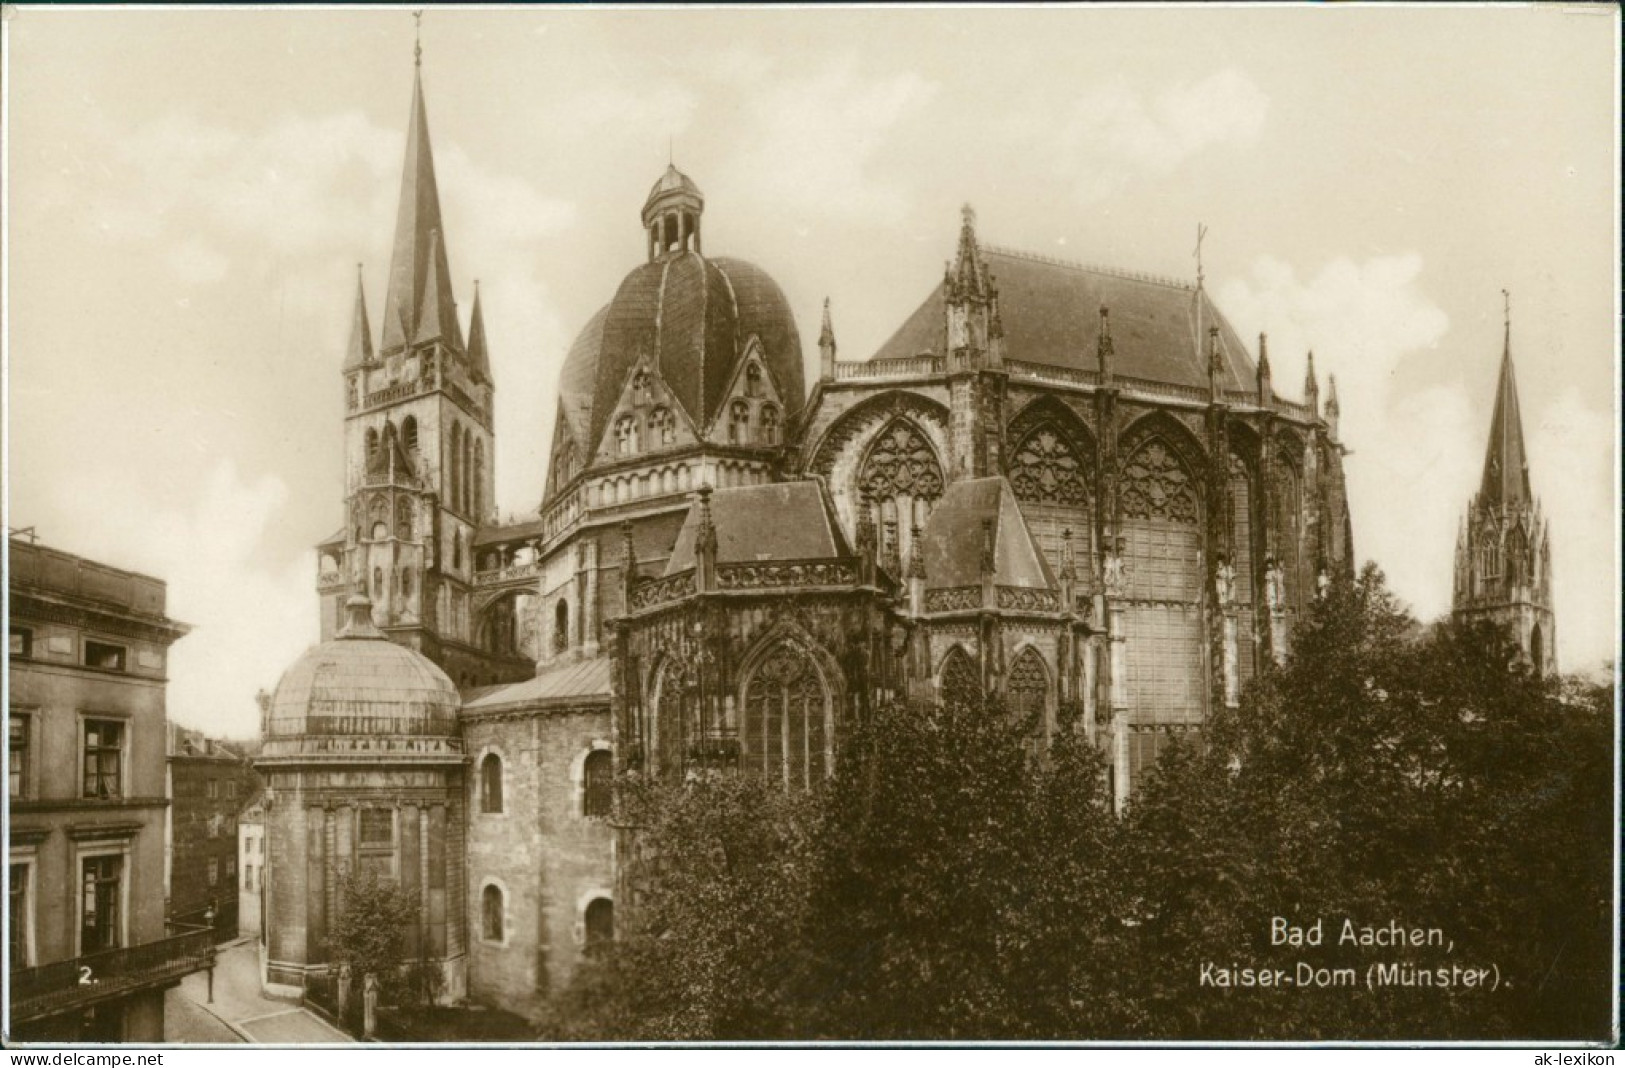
[
  {"x": 626, "y": 436},
  {"x": 770, "y": 425},
  {"x": 479, "y": 479},
  {"x": 409, "y": 433},
  {"x": 596, "y": 772},
  {"x": 491, "y": 783},
  {"x": 561, "y": 626},
  {"x": 491, "y": 913},
  {"x": 640, "y": 388},
  {"x": 457, "y": 549},
  {"x": 406, "y": 582},
  {"x": 403, "y": 519},
  {"x": 753, "y": 380},
  {"x": 739, "y": 423},
  {"x": 377, "y": 583},
  {"x": 663, "y": 426},
  {"x": 600, "y": 924},
  {"x": 372, "y": 443}
]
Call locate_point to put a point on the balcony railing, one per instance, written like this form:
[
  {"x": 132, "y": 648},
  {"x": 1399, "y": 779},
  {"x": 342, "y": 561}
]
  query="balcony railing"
[
  {"x": 512, "y": 573},
  {"x": 65, "y": 984}
]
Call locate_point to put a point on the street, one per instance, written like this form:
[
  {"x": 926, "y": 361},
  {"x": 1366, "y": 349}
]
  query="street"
[{"x": 239, "y": 1013}]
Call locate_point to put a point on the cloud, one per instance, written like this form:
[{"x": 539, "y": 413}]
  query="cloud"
[
  {"x": 1416, "y": 455},
  {"x": 1112, "y": 134},
  {"x": 1571, "y": 465},
  {"x": 251, "y": 613},
  {"x": 808, "y": 143}
]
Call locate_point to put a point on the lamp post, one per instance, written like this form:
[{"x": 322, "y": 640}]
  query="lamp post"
[{"x": 208, "y": 920}]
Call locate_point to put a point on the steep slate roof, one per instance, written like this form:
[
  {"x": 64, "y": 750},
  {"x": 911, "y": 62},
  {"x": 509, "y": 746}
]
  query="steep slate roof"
[
  {"x": 1506, "y": 465},
  {"x": 693, "y": 315},
  {"x": 478, "y": 358},
  {"x": 585, "y": 681},
  {"x": 419, "y": 304},
  {"x": 360, "y": 350},
  {"x": 779, "y": 521},
  {"x": 953, "y": 538},
  {"x": 1051, "y": 315}
]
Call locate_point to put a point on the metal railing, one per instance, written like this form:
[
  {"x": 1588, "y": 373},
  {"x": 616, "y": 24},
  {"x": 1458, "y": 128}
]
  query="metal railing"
[{"x": 61, "y": 985}]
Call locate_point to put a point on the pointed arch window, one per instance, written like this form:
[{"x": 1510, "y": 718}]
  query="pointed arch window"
[
  {"x": 454, "y": 466},
  {"x": 663, "y": 426},
  {"x": 372, "y": 443},
  {"x": 479, "y": 479},
  {"x": 753, "y": 379},
  {"x": 468, "y": 467},
  {"x": 787, "y": 731},
  {"x": 960, "y": 684},
  {"x": 739, "y": 423},
  {"x": 1286, "y": 486},
  {"x": 902, "y": 478},
  {"x": 770, "y": 425},
  {"x": 1055, "y": 485},
  {"x": 409, "y": 433},
  {"x": 1028, "y": 690},
  {"x": 403, "y": 519},
  {"x": 640, "y": 388},
  {"x": 626, "y": 436}
]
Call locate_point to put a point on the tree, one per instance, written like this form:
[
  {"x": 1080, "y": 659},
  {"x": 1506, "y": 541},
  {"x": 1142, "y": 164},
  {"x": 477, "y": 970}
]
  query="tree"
[
  {"x": 370, "y": 928},
  {"x": 945, "y": 884}
]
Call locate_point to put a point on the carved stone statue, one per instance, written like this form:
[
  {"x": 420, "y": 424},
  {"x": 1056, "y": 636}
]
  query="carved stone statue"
[
  {"x": 1224, "y": 581},
  {"x": 1274, "y": 585}
]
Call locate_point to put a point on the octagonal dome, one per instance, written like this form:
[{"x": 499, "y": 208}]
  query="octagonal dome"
[{"x": 361, "y": 693}]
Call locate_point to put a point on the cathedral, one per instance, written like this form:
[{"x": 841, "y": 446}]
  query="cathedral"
[
  {"x": 1504, "y": 551},
  {"x": 1073, "y": 487}
]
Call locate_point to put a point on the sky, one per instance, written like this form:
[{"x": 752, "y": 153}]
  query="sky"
[{"x": 188, "y": 193}]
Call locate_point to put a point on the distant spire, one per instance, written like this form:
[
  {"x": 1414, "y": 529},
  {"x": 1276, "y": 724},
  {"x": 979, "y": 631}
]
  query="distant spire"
[
  {"x": 360, "y": 351},
  {"x": 826, "y": 347},
  {"x": 1311, "y": 387},
  {"x": 478, "y": 358},
  {"x": 826, "y": 335},
  {"x": 419, "y": 251},
  {"x": 1264, "y": 385},
  {"x": 1506, "y": 465},
  {"x": 417, "y": 42},
  {"x": 1332, "y": 407}
]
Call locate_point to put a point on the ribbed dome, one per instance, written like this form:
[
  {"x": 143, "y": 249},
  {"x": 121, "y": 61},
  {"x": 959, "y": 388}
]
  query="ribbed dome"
[
  {"x": 694, "y": 316},
  {"x": 361, "y": 692},
  {"x": 673, "y": 181}
]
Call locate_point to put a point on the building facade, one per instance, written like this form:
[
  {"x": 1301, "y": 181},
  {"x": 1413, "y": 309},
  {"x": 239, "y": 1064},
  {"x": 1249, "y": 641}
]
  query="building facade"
[
  {"x": 90, "y": 952},
  {"x": 209, "y": 782},
  {"x": 1503, "y": 549},
  {"x": 251, "y": 866},
  {"x": 1072, "y": 487}
]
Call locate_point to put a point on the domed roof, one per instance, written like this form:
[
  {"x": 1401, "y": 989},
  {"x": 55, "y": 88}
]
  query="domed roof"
[
  {"x": 693, "y": 317},
  {"x": 673, "y": 181},
  {"x": 362, "y": 693}
]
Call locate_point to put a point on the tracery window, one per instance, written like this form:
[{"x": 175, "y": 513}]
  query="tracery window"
[
  {"x": 454, "y": 466},
  {"x": 902, "y": 478},
  {"x": 960, "y": 683},
  {"x": 770, "y": 425},
  {"x": 1056, "y": 489},
  {"x": 403, "y": 519},
  {"x": 663, "y": 426},
  {"x": 739, "y": 423},
  {"x": 479, "y": 479},
  {"x": 626, "y": 436},
  {"x": 1028, "y": 690},
  {"x": 787, "y": 734},
  {"x": 1241, "y": 530},
  {"x": 1157, "y": 486},
  {"x": 1288, "y": 510}
]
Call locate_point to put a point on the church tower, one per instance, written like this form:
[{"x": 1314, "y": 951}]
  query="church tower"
[
  {"x": 418, "y": 444},
  {"x": 1503, "y": 550}
]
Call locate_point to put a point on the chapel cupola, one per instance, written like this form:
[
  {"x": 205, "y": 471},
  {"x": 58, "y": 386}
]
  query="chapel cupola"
[{"x": 671, "y": 215}]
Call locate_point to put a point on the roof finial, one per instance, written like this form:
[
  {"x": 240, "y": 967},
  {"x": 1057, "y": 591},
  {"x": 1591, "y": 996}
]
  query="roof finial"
[
  {"x": 417, "y": 43},
  {"x": 1506, "y": 312},
  {"x": 1201, "y": 232}
]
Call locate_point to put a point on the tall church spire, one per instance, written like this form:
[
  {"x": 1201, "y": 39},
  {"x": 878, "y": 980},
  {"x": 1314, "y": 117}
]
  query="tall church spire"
[
  {"x": 360, "y": 351},
  {"x": 419, "y": 277},
  {"x": 1506, "y": 465}
]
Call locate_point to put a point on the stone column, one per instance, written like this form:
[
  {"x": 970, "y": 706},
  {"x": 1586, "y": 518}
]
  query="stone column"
[
  {"x": 1119, "y": 694},
  {"x": 589, "y": 604}
]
